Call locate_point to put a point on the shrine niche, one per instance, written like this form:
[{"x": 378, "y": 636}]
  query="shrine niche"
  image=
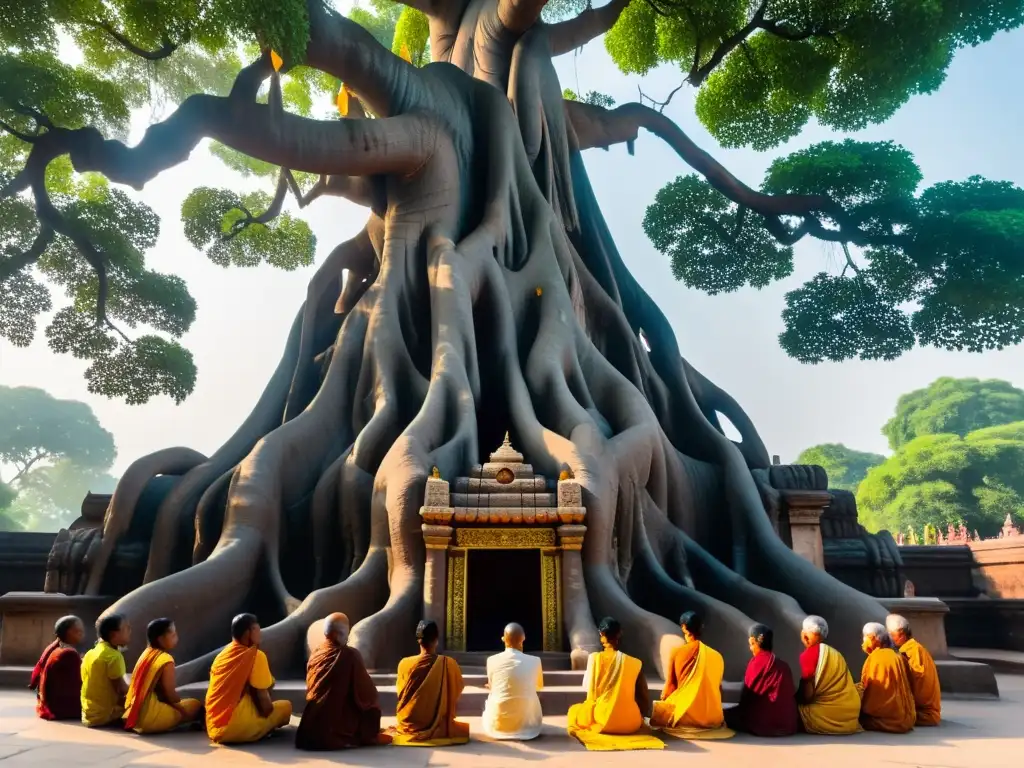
[{"x": 500, "y": 546}]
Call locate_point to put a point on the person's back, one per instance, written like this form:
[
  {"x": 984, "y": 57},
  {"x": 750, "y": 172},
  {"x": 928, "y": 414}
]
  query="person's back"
[
  {"x": 103, "y": 672},
  {"x": 513, "y": 710},
  {"x": 341, "y": 699},
  {"x": 924, "y": 676},
  {"x": 828, "y": 701},
  {"x": 428, "y": 689},
  {"x": 57, "y": 676},
  {"x": 887, "y": 700},
  {"x": 691, "y": 703},
  {"x": 767, "y": 705}
]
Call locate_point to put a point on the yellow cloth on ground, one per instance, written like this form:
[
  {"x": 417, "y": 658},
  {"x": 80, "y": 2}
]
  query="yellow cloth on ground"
[
  {"x": 924, "y": 682},
  {"x": 231, "y": 714},
  {"x": 835, "y": 708},
  {"x": 144, "y": 712},
  {"x": 101, "y": 666},
  {"x": 609, "y": 719},
  {"x": 429, "y": 687},
  {"x": 887, "y": 703},
  {"x": 691, "y": 704}
]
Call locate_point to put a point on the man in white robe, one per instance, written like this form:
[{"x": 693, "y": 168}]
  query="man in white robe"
[{"x": 513, "y": 708}]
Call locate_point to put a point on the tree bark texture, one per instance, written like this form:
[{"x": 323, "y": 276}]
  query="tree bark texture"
[{"x": 485, "y": 294}]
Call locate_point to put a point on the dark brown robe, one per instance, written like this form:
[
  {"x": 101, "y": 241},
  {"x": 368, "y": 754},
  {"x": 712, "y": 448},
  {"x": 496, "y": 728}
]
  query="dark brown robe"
[{"x": 341, "y": 701}]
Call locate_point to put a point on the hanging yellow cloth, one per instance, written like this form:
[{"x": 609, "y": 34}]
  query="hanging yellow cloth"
[
  {"x": 404, "y": 53},
  {"x": 342, "y": 100},
  {"x": 276, "y": 60}
]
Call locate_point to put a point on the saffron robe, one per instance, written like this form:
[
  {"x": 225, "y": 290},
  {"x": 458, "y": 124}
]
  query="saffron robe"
[
  {"x": 887, "y": 703},
  {"x": 429, "y": 687},
  {"x": 231, "y": 713},
  {"x": 57, "y": 681},
  {"x": 834, "y": 708},
  {"x": 691, "y": 703},
  {"x": 768, "y": 701},
  {"x": 512, "y": 710},
  {"x": 924, "y": 683},
  {"x": 144, "y": 712},
  {"x": 610, "y": 718},
  {"x": 341, "y": 702}
]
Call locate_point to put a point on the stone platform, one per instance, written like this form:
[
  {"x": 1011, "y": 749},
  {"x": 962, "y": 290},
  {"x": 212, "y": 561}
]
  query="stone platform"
[{"x": 974, "y": 734}]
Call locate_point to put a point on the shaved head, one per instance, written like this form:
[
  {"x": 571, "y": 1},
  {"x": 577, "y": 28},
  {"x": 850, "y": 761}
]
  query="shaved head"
[
  {"x": 514, "y": 636},
  {"x": 336, "y": 627}
]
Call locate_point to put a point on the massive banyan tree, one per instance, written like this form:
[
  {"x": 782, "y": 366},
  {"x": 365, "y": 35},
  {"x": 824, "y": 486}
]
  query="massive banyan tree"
[{"x": 484, "y": 294}]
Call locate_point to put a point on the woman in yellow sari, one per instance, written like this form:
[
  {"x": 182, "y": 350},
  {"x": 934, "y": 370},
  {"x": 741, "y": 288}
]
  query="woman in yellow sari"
[
  {"x": 612, "y": 717},
  {"x": 152, "y": 704}
]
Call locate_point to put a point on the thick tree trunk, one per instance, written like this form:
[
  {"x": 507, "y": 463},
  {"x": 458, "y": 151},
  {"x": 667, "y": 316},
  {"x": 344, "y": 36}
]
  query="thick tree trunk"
[{"x": 486, "y": 294}]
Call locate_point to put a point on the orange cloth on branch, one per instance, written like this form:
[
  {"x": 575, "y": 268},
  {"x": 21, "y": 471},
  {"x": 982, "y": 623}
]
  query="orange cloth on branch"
[
  {"x": 924, "y": 683},
  {"x": 887, "y": 703},
  {"x": 429, "y": 687}
]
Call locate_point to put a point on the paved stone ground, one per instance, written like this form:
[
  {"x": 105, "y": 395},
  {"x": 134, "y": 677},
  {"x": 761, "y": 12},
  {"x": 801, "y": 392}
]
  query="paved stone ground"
[{"x": 975, "y": 734}]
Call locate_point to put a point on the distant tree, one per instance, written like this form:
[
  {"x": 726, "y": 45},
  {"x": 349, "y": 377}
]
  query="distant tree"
[
  {"x": 955, "y": 406},
  {"x": 946, "y": 478},
  {"x": 51, "y": 453},
  {"x": 845, "y": 466}
]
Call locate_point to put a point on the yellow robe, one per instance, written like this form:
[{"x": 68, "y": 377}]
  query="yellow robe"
[
  {"x": 610, "y": 718},
  {"x": 429, "y": 688},
  {"x": 691, "y": 704},
  {"x": 231, "y": 714},
  {"x": 924, "y": 682},
  {"x": 887, "y": 703},
  {"x": 143, "y": 711},
  {"x": 835, "y": 708}
]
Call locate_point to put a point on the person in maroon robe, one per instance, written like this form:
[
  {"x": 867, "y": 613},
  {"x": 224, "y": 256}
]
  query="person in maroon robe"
[
  {"x": 57, "y": 676},
  {"x": 341, "y": 700},
  {"x": 768, "y": 702}
]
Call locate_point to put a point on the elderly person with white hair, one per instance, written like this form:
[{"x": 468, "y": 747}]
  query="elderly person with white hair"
[
  {"x": 924, "y": 677},
  {"x": 887, "y": 703},
  {"x": 341, "y": 700},
  {"x": 827, "y": 698}
]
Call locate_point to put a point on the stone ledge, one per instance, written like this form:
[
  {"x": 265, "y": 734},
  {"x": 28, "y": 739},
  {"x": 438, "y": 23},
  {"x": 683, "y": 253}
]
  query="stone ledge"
[{"x": 967, "y": 678}]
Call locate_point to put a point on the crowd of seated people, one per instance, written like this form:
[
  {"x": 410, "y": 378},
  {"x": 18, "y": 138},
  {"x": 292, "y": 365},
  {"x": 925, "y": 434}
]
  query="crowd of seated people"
[{"x": 898, "y": 689}]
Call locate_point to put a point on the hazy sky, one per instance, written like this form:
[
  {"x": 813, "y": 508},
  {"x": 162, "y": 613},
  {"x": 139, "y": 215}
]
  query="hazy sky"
[{"x": 970, "y": 126}]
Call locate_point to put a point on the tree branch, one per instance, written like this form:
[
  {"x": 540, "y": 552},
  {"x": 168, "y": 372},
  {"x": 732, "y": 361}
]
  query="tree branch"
[
  {"x": 26, "y": 137},
  {"x": 166, "y": 46},
  {"x": 574, "y": 33},
  {"x": 699, "y": 74},
  {"x": 517, "y": 16},
  {"x": 17, "y": 262}
]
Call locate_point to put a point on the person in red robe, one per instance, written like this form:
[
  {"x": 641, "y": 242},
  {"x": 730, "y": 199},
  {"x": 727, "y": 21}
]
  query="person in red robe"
[
  {"x": 341, "y": 700},
  {"x": 768, "y": 701},
  {"x": 57, "y": 676}
]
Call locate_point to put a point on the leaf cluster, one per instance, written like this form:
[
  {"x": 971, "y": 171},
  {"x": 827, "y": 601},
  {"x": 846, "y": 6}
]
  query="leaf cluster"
[{"x": 845, "y": 467}]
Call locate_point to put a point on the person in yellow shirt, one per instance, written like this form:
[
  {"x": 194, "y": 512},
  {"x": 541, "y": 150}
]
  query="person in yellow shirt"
[
  {"x": 153, "y": 704},
  {"x": 924, "y": 676},
  {"x": 239, "y": 709},
  {"x": 103, "y": 671},
  {"x": 612, "y": 716},
  {"x": 691, "y": 703}
]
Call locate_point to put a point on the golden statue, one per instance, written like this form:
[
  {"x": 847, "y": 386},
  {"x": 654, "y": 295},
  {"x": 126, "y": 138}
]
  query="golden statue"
[
  {"x": 435, "y": 473},
  {"x": 566, "y": 473}
]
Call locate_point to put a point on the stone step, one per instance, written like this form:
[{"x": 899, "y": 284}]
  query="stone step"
[
  {"x": 550, "y": 660},
  {"x": 484, "y": 485},
  {"x": 530, "y": 498},
  {"x": 477, "y": 676},
  {"x": 14, "y": 676}
]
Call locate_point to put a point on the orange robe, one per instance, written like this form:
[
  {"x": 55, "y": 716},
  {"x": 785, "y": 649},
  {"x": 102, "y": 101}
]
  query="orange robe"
[
  {"x": 691, "y": 703},
  {"x": 610, "y": 718},
  {"x": 144, "y": 712},
  {"x": 924, "y": 683},
  {"x": 231, "y": 714},
  {"x": 429, "y": 688},
  {"x": 887, "y": 703}
]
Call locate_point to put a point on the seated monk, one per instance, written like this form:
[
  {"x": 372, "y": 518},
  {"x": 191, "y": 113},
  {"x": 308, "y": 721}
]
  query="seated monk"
[
  {"x": 239, "y": 709},
  {"x": 768, "y": 701},
  {"x": 887, "y": 702},
  {"x": 341, "y": 699},
  {"x": 57, "y": 676},
  {"x": 827, "y": 700},
  {"x": 924, "y": 677},
  {"x": 153, "y": 704},
  {"x": 512, "y": 709},
  {"x": 690, "y": 706},
  {"x": 429, "y": 686},
  {"x": 103, "y": 671},
  {"x": 612, "y": 717}
]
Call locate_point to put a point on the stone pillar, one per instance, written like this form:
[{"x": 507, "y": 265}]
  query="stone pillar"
[
  {"x": 927, "y": 617},
  {"x": 576, "y": 618},
  {"x": 804, "y": 510},
  {"x": 436, "y": 514}
]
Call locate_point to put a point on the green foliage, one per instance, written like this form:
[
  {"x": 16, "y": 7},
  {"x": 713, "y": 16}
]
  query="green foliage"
[
  {"x": 412, "y": 30},
  {"x": 714, "y": 245},
  {"x": 593, "y": 97},
  {"x": 945, "y": 478},
  {"x": 955, "y": 406},
  {"x": 845, "y": 467},
  {"x": 380, "y": 21},
  {"x": 52, "y": 496}
]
